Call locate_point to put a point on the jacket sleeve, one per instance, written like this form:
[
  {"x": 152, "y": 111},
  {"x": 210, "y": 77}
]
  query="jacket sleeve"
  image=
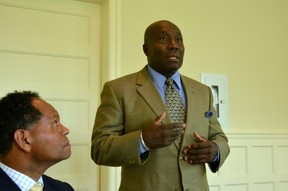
[
  {"x": 111, "y": 145},
  {"x": 217, "y": 135}
]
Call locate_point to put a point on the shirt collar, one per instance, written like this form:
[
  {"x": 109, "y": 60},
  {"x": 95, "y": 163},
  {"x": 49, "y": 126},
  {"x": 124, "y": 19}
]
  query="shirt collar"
[
  {"x": 21, "y": 180},
  {"x": 159, "y": 79}
]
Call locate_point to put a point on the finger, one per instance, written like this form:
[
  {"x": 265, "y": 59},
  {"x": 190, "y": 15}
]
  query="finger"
[
  {"x": 180, "y": 125},
  {"x": 203, "y": 158},
  {"x": 160, "y": 118},
  {"x": 198, "y": 137},
  {"x": 175, "y": 126}
]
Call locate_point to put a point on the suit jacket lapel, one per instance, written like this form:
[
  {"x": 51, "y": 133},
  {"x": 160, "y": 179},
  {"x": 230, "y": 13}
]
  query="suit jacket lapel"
[
  {"x": 150, "y": 94},
  {"x": 47, "y": 184},
  {"x": 6, "y": 183},
  {"x": 191, "y": 102}
]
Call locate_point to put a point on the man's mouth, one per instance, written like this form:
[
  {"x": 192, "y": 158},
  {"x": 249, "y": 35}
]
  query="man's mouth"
[{"x": 173, "y": 58}]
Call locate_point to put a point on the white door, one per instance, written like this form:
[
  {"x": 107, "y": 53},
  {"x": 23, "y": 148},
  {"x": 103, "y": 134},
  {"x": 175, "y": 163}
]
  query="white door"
[{"x": 53, "y": 47}]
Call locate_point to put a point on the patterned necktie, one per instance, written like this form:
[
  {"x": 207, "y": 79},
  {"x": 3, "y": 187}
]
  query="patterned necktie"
[
  {"x": 174, "y": 103},
  {"x": 37, "y": 187}
]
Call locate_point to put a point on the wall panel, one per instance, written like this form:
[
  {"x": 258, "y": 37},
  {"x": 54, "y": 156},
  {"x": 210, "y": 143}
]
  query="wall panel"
[
  {"x": 256, "y": 163},
  {"x": 42, "y": 25},
  {"x": 53, "y": 47},
  {"x": 44, "y": 70}
]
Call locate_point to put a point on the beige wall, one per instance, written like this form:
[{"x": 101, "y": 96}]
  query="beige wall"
[{"x": 246, "y": 40}]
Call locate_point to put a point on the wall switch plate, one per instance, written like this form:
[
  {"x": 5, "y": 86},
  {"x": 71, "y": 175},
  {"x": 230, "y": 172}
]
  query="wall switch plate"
[{"x": 218, "y": 84}]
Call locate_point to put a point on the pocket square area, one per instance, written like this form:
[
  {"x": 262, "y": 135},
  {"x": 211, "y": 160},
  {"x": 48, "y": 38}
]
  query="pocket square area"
[{"x": 208, "y": 114}]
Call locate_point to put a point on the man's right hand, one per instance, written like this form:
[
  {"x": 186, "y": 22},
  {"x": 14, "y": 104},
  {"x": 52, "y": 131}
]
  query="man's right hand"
[{"x": 157, "y": 135}]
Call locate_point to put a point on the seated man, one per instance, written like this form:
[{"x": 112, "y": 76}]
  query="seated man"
[{"x": 31, "y": 140}]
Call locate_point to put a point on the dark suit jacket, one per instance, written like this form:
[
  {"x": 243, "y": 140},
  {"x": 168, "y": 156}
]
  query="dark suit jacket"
[
  {"x": 50, "y": 184},
  {"x": 128, "y": 105}
]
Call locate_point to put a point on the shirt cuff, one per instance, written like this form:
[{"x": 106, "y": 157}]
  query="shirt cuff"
[
  {"x": 142, "y": 146},
  {"x": 214, "y": 164}
]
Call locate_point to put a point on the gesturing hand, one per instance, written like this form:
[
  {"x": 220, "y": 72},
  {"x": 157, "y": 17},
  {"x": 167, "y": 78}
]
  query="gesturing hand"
[
  {"x": 204, "y": 151},
  {"x": 157, "y": 135}
]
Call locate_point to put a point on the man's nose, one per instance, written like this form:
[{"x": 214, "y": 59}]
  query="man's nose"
[
  {"x": 65, "y": 130},
  {"x": 173, "y": 45}
]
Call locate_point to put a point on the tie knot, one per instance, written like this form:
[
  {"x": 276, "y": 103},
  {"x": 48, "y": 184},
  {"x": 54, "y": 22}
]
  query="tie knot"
[
  {"x": 37, "y": 187},
  {"x": 169, "y": 81}
]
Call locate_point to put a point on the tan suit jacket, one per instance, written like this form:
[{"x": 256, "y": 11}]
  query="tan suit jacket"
[{"x": 128, "y": 105}]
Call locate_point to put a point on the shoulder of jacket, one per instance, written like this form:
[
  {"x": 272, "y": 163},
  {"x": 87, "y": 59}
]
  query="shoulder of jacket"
[{"x": 194, "y": 83}]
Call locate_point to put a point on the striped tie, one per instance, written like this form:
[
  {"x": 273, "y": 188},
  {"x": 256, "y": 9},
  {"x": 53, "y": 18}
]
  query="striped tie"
[{"x": 37, "y": 187}]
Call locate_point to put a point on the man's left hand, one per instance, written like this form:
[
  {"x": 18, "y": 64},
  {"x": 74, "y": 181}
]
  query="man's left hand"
[{"x": 203, "y": 151}]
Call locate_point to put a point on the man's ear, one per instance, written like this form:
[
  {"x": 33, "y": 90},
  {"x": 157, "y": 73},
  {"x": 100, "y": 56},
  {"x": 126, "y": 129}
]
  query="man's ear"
[
  {"x": 145, "y": 50},
  {"x": 23, "y": 139}
]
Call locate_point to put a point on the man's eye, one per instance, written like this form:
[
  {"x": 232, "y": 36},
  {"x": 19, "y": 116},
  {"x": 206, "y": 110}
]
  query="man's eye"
[
  {"x": 179, "y": 39},
  {"x": 55, "y": 124},
  {"x": 163, "y": 39}
]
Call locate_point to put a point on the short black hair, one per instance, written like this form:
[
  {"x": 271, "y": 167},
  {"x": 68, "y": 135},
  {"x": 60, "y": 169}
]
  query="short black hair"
[{"x": 16, "y": 112}]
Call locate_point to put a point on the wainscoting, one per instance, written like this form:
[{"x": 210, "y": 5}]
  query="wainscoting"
[{"x": 257, "y": 162}]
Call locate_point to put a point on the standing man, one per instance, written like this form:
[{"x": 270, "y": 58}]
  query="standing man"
[
  {"x": 31, "y": 140},
  {"x": 137, "y": 127}
]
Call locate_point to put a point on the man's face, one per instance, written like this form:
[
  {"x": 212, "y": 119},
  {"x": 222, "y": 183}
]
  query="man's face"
[
  {"x": 49, "y": 137},
  {"x": 164, "y": 48}
]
